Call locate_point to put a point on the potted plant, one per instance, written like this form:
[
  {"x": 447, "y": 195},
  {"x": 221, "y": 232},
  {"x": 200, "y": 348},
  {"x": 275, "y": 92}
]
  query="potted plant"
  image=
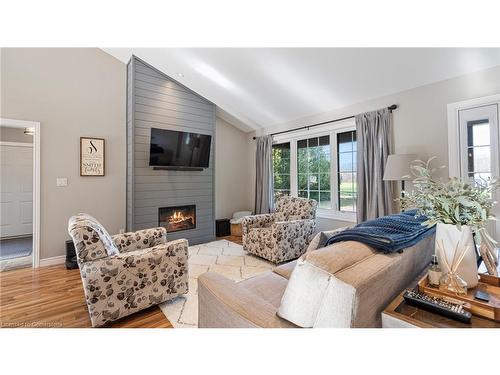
[{"x": 459, "y": 209}]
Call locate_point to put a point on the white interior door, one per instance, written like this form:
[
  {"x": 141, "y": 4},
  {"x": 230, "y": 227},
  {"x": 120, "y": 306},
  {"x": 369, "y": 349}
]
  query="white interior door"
[
  {"x": 479, "y": 149},
  {"x": 16, "y": 189}
]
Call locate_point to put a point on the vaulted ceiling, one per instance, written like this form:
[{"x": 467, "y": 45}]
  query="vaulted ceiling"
[{"x": 262, "y": 87}]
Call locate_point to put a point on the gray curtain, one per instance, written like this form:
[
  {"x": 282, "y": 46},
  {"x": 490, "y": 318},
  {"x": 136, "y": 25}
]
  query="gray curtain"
[
  {"x": 374, "y": 136},
  {"x": 264, "y": 175}
]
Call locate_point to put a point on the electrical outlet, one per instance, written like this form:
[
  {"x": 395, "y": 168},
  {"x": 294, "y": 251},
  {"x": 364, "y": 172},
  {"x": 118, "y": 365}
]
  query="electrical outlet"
[{"x": 61, "y": 181}]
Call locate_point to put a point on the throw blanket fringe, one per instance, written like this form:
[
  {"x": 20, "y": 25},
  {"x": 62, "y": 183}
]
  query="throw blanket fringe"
[{"x": 388, "y": 233}]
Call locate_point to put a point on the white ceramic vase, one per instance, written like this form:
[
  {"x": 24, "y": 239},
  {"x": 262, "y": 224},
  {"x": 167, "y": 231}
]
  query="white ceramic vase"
[{"x": 448, "y": 235}]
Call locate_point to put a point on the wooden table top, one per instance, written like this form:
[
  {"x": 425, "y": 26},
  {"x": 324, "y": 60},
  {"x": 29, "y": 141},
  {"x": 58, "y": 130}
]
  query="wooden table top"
[
  {"x": 418, "y": 317},
  {"x": 401, "y": 310}
]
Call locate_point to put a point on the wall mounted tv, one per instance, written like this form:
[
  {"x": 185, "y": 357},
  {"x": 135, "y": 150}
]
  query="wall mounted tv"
[{"x": 171, "y": 149}]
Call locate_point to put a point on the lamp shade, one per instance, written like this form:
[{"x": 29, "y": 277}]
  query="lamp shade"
[{"x": 397, "y": 167}]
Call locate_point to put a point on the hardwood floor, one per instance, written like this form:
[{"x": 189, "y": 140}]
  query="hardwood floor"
[
  {"x": 232, "y": 239},
  {"x": 53, "y": 297}
]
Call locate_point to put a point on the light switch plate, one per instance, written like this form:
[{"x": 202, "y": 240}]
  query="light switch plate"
[{"x": 63, "y": 181}]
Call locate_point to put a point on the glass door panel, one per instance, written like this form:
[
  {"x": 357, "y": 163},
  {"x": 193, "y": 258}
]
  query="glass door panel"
[{"x": 479, "y": 149}]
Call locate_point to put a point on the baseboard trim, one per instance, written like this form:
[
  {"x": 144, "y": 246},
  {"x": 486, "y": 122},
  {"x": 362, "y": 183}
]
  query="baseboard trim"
[{"x": 52, "y": 261}]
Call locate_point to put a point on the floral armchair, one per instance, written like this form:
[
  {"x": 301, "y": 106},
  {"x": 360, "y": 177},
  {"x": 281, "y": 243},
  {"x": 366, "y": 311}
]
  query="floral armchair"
[
  {"x": 284, "y": 234},
  {"x": 127, "y": 272}
]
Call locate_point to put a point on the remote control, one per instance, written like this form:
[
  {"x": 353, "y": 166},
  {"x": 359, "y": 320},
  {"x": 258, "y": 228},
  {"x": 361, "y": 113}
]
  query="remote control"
[{"x": 438, "y": 306}]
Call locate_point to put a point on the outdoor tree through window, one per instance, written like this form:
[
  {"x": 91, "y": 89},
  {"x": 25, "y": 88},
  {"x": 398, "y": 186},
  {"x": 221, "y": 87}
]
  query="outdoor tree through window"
[
  {"x": 321, "y": 167},
  {"x": 346, "y": 175},
  {"x": 313, "y": 170},
  {"x": 281, "y": 169}
]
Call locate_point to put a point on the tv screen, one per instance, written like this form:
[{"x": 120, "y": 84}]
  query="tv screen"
[{"x": 169, "y": 148}]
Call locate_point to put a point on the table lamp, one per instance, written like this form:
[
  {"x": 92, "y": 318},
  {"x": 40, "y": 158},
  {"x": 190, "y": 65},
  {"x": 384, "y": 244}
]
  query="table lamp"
[{"x": 397, "y": 168}]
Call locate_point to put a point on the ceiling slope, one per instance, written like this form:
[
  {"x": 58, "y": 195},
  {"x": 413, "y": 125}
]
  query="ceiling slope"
[{"x": 256, "y": 88}]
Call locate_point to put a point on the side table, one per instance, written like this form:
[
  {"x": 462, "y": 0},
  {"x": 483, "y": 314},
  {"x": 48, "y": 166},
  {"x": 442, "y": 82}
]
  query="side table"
[{"x": 400, "y": 314}]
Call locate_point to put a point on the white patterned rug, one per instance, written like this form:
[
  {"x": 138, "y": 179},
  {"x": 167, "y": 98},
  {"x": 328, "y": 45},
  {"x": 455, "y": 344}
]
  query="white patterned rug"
[{"x": 224, "y": 257}]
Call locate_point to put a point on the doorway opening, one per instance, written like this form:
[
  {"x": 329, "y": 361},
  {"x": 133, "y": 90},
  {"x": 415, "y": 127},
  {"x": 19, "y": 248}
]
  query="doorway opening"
[{"x": 19, "y": 194}]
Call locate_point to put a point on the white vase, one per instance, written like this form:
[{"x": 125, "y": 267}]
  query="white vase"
[{"x": 448, "y": 236}]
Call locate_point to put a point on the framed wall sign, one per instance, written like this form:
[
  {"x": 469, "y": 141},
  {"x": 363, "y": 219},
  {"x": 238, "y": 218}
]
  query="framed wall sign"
[{"x": 91, "y": 156}]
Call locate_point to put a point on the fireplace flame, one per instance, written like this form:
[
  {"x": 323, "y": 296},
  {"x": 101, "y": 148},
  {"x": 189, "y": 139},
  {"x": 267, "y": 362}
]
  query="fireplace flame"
[{"x": 178, "y": 217}]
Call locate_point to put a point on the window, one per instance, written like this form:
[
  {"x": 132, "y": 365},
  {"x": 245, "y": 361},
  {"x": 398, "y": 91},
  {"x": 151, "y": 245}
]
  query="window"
[
  {"x": 478, "y": 139},
  {"x": 281, "y": 169},
  {"x": 313, "y": 170},
  {"x": 478, "y": 150},
  {"x": 319, "y": 165},
  {"x": 346, "y": 170}
]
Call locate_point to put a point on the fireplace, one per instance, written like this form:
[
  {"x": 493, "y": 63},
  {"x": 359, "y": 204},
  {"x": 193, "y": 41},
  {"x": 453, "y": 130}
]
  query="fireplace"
[{"x": 177, "y": 218}]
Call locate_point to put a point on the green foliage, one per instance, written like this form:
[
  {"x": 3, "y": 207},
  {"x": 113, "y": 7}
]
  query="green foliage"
[
  {"x": 454, "y": 202},
  {"x": 313, "y": 159},
  {"x": 281, "y": 168}
]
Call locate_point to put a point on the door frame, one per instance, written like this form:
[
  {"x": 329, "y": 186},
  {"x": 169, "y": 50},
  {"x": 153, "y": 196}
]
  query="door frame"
[
  {"x": 454, "y": 163},
  {"x": 454, "y": 152},
  {"x": 36, "y": 181}
]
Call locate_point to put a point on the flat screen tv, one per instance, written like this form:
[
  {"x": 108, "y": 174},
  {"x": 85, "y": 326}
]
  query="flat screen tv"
[{"x": 169, "y": 148}]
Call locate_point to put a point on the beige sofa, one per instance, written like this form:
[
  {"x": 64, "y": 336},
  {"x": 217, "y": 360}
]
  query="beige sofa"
[{"x": 347, "y": 284}]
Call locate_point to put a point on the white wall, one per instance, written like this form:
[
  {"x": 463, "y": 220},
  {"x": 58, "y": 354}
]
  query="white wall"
[
  {"x": 72, "y": 93},
  {"x": 420, "y": 122},
  {"x": 232, "y": 177}
]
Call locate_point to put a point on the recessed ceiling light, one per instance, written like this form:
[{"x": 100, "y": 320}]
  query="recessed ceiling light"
[{"x": 180, "y": 74}]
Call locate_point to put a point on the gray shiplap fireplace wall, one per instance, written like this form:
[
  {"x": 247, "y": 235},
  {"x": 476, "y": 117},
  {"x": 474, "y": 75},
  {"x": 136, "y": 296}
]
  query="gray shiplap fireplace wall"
[{"x": 155, "y": 100}]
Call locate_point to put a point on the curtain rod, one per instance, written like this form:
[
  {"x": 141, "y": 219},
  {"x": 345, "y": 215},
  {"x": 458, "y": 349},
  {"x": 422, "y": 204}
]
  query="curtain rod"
[{"x": 390, "y": 108}]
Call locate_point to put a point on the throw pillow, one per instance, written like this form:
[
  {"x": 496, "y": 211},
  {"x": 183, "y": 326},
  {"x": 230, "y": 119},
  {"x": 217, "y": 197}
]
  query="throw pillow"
[
  {"x": 321, "y": 238},
  {"x": 316, "y": 298}
]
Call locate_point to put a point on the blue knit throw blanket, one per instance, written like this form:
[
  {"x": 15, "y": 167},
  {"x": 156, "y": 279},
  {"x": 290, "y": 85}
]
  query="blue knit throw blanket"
[{"x": 388, "y": 233}]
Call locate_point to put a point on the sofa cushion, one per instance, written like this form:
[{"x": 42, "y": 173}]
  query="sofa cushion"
[
  {"x": 347, "y": 251},
  {"x": 224, "y": 303},
  {"x": 339, "y": 256},
  {"x": 285, "y": 270},
  {"x": 348, "y": 284},
  {"x": 269, "y": 286}
]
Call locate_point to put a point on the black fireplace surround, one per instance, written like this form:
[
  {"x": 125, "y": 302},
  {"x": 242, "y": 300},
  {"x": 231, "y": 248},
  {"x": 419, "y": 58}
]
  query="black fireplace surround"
[{"x": 177, "y": 218}]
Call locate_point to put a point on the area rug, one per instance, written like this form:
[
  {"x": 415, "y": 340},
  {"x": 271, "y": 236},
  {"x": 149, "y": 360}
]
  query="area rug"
[{"x": 224, "y": 257}]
